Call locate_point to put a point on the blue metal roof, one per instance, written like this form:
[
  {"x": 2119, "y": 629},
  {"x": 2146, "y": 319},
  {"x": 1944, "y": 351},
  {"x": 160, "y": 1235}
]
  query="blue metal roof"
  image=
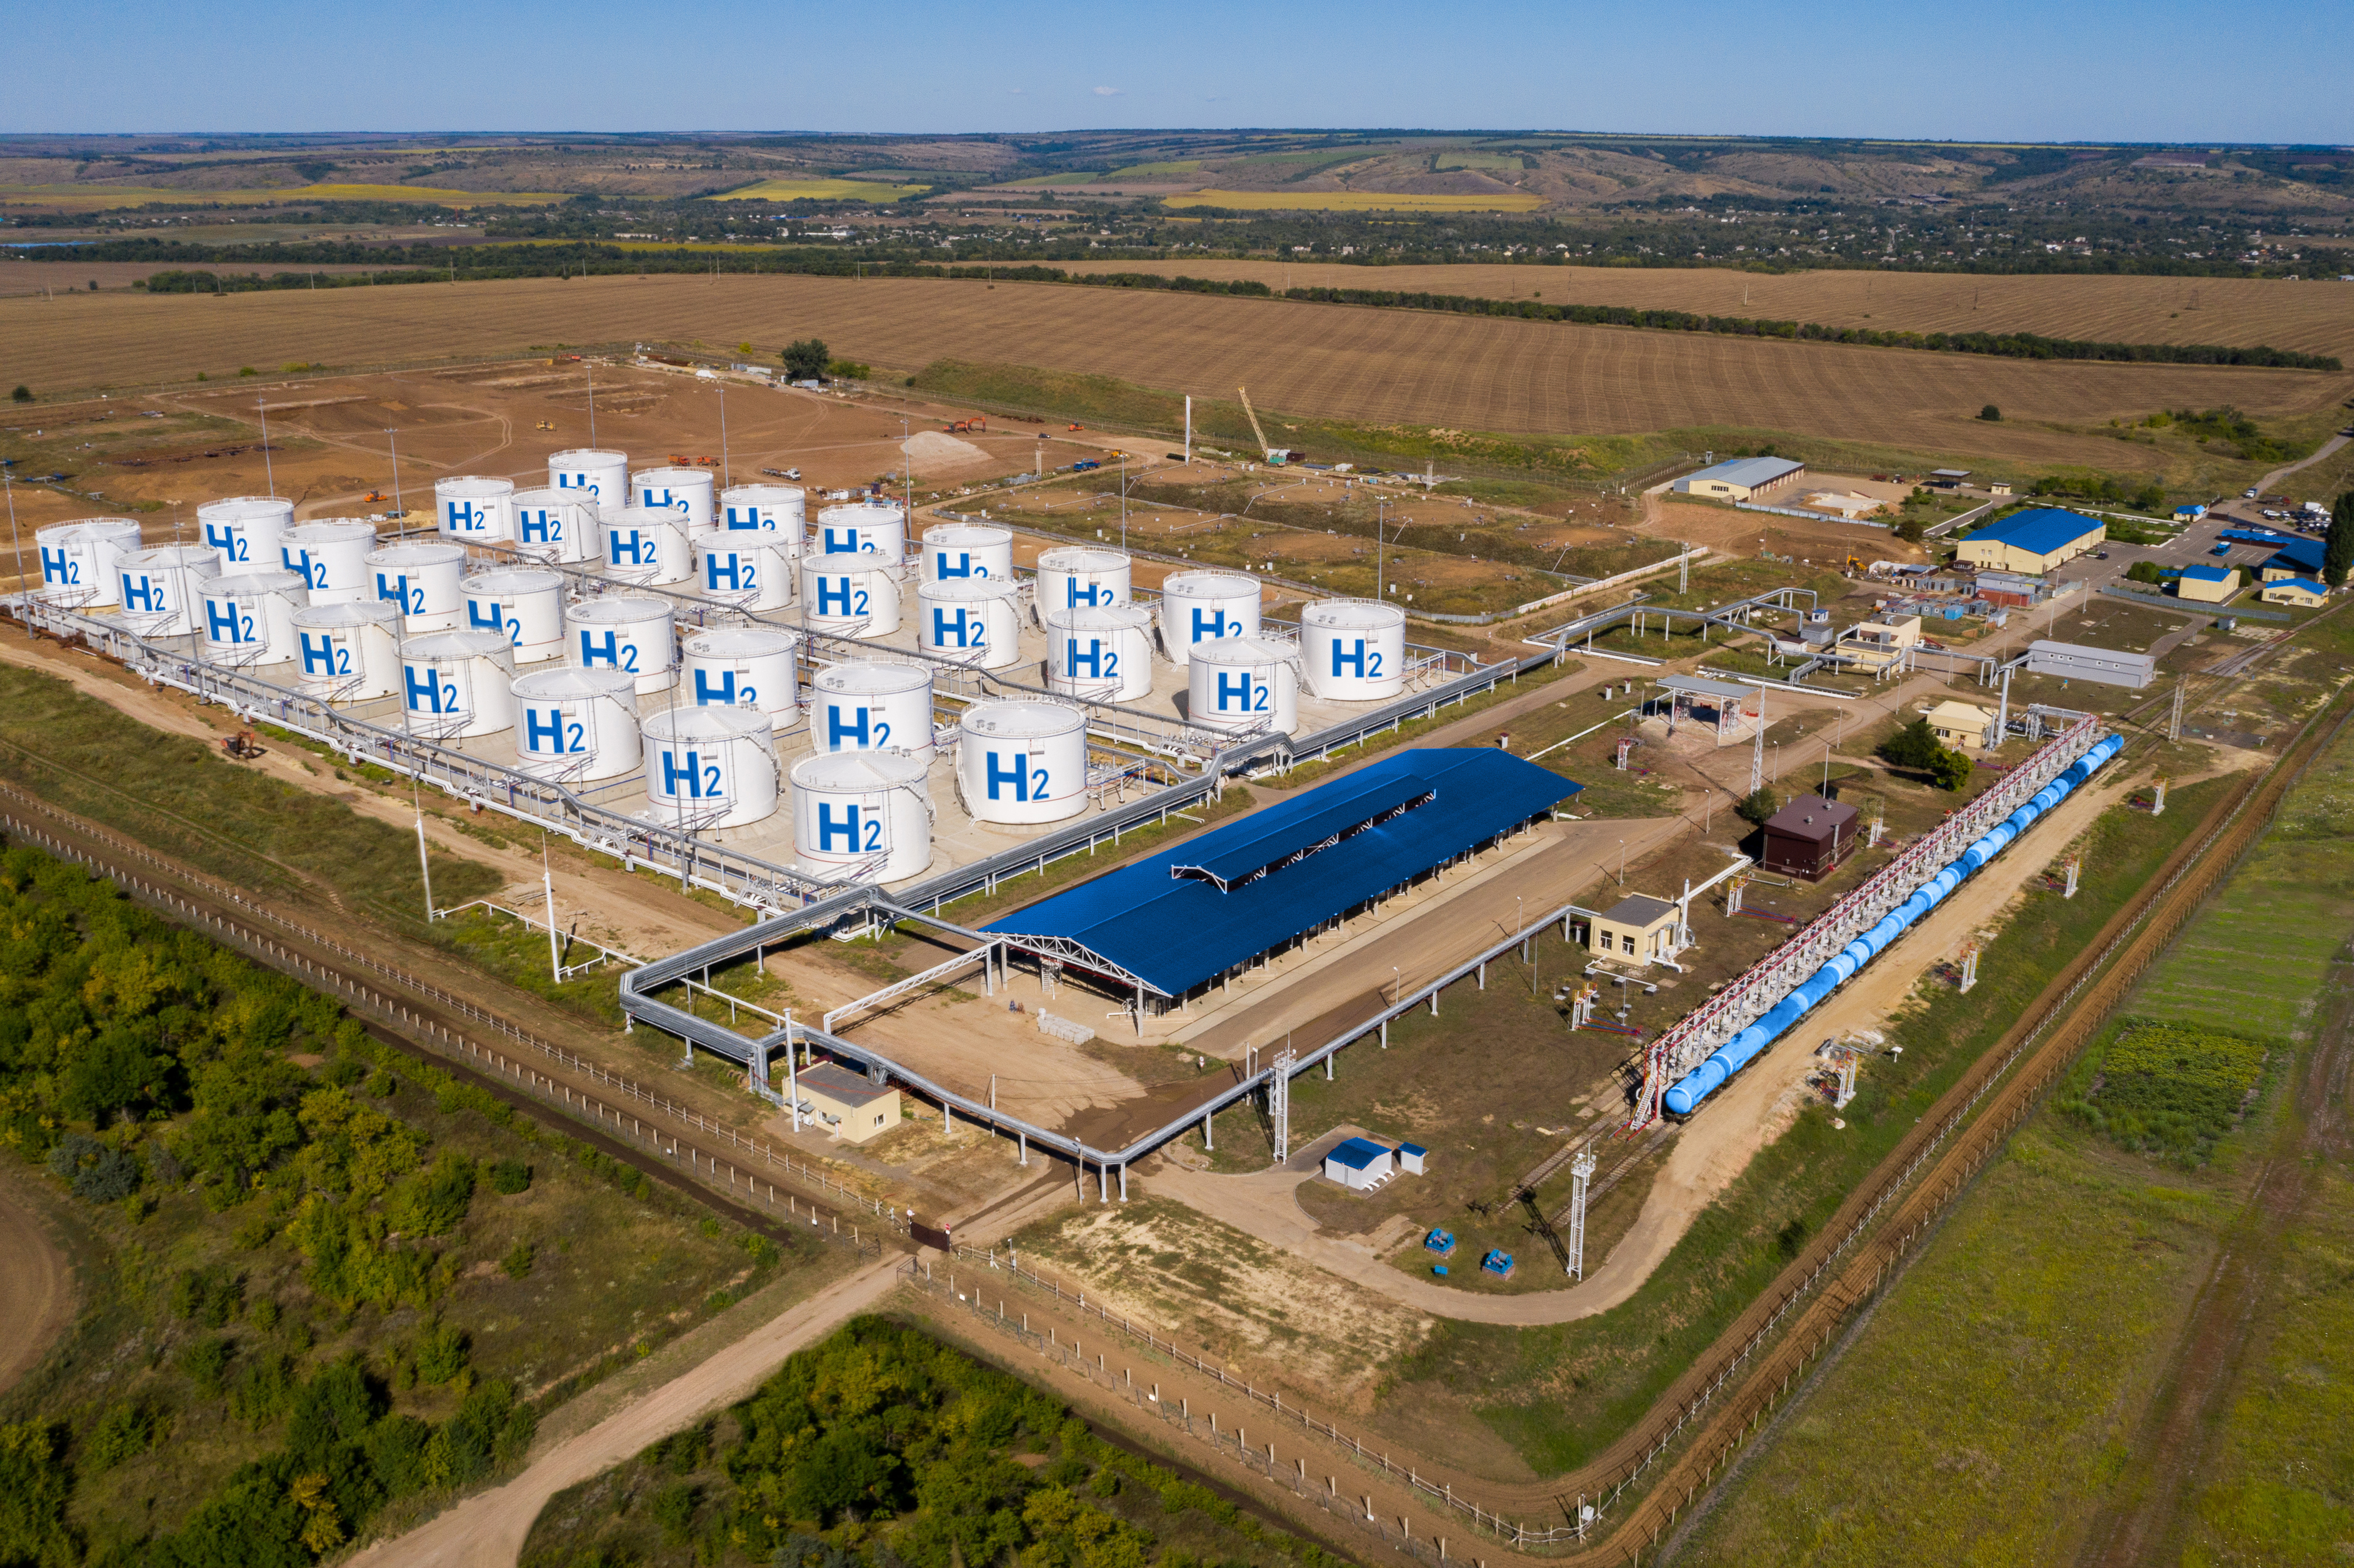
[
  {"x": 2039, "y": 530},
  {"x": 2299, "y": 585},
  {"x": 2304, "y": 555},
  {"x": 1751, "y": 472},
  {"x": 1357, "y": 1153},
  {"x": 2252, "y": 535},
  {"x": 1411, "y": 1148},
  {"x": 2210, "y": 574},
  {"x": 1176, "y": 931}
]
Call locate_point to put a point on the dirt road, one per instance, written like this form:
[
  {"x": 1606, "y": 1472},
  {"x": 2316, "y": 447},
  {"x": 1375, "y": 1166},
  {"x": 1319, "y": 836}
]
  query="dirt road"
[{"x": 37, "y": 1287}]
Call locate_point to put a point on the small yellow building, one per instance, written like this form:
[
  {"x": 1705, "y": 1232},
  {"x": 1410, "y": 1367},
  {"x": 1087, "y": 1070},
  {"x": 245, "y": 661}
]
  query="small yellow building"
[
  {"x": 1960, "y": 726},
  {"x": 845, "y": 1103},
  {"x": 1638, "y": 929},
  {"x": 2207, "y": 584},
  {"x": 2303, "y": 592},
  {"x": 2034, "y": 542}
]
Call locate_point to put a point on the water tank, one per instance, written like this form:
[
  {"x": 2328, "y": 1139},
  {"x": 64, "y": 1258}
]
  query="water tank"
[
  {"x": 766, "y": 508},
  {"x": 1353, "y": 650},
  {"x": 243, "y": 530},
  {"x": 248, "y": 618},
  {"x": 159, "y": 588},
  {"x": 476, "y": 509},
  {"x": 559, "y": 526},
  {"x": 971, "y": 620},
  {"x": 1104, "y": 655},
  {"x": 644, "y": 546},
  {"x": 1204, "y": 606},
  {"x": 710, "y": 768},
  {"x": 872, "y": 707},
  {"x": 422, "y": 579},
  {"x": 601, "y": 477},
  {"x": 849, "y": 596},
  {"x": 746, "y": 568},
  {"x": 1243, "y": 683},
  {"x": 347, "y": 652},
  {"x": 332, "y": 555},
  {"x": 1022, "y": 761},
  {"x": 868, "y": 528},
  {"x": 748, "y": 667},
  {"x": 82, "y": 562},
  {"x": 684, "y": 492},
  {"x": 864, "y": 814},
  {"x": 953, "y": 551},
  {"x": 1081, "y": 577},
  {"x": 623, "y": 634},
  {"x": 577, "y": 726},
  {"x": 457, "y": 683},
  {"x": 525, "y": 603}
]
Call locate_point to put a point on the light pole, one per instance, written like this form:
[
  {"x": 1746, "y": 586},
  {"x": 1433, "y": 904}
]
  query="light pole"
[
  {"x": 1123, "y": 500},
  {"x": 268, "y": 473},
  {"x": 1380, "y": 533},
  {"x": 392, "y": 442},
  {"x": 723, "y": 481},
  {"x": 9, "y": 479},
  {"x": 1622, "y": 862}
]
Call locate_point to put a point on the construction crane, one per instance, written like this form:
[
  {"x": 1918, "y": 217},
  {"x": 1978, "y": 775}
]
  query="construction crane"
[{"x": 1272, "y": 454}]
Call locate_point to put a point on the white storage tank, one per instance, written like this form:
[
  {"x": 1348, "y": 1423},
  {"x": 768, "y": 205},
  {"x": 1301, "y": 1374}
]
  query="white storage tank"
[
  {"x": 684, "y": 491},
  {"x": 82, "y": 562},
  {"x": 1081, "y": 577},
  {"x": 601, "y": 477},
  {"x": 525, "y": 603},
  {"x": 476, "y": 509},
  {"x": 346, "y": 652},
  {"x": 1022, "y": 761},
  {"x": 159, "y": 588},
  {"x": 1104, "y": 655},
  {"x": 576, "y": 725},
  {"x": 953, "y": 551},
  {"x": 866, "y": 814},
  {"x": 332, "y": 555},
  {"x": 710, "y": 768},
  {"x": 750, "y": 569},
  {"x": 457, "y": 683},
  {"x": 866, "y": 528},
  {"x": 243, "y": 531},
  {"x": 849, "y": 597},
  {"x": 1243, "y": 683},
  {"x": 750, "y": 667},
  {"x": 1353, "y": 650},
  {"x": 971, "y": 620},
  {"x": 781, "y": 509},
  {"x": 644, "y": 546},
  {"x": 882, "y": 705},
  {"x": 248, "y": 618},
  {"x": 559, "y": 526},
  {"x": 623, "y": 634},
  {"x": 1204, "y": 606},
  {"x": 422, "y": 579}
]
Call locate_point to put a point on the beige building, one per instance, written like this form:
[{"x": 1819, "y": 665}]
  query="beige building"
[
  {"x": 1741, "y": 479},
  {"x": 1875, "y": 645},
  {"x": 2303, "y": 591},
  {"x": 846, "y": 1104},
  {"x": 2207, "y": 584},
  {"x": 2032, "y": 542},
  {"x": 1960, "y": 726},
  {"x": 1638, "y": 929}
]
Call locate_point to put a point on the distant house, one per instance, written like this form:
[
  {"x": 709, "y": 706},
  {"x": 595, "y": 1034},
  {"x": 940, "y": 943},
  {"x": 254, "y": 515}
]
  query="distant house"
[
  {"x": 2207, "y": 584},
  {"x": 2033, "y": 540},
  {"x": 1358, "y": 1163},
  {"x": 1638, "y": 929},
  {"x": 1960, "y": 726},
  {"x": 1808, "y": 837},
  {"x": 845, "y": 1102},
  {"x": 1948, "y": 478},
  {"x": 1740, "y": 479},
  {"x": 2303, "y": 591},
  {"x": 2074, "y": 661},
  {"x": 2189, "y": 514},
  {"x": 2012, "y": 590}
]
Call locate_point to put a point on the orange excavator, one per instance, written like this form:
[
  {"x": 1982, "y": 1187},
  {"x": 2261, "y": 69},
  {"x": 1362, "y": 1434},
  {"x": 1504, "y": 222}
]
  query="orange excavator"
[{"x": 967, "y": 427}]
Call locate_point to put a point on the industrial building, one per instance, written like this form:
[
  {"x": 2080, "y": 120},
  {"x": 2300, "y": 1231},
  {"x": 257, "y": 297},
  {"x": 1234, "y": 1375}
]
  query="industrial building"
[
  {"x": 2032, "y": 542},
  {"x": 1639, "y": 929},
  {"x": 1741, "y": 479},
  {"x": 2305, "y": 592},
  {"x": 2073, "y": 662},
  {"x": 1960, "y": 726},
  {"x": 2294, "y": 558},
  {"x": 846, "y": 1103},
  {"x": 1359, "y": 1164},
  {"x": 1808, "y": 837},
  {"x": 2207, "y": 584}
]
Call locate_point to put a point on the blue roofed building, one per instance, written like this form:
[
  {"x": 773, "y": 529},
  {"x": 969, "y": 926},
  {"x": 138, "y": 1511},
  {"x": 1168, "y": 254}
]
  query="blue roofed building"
[
  {"x": 1741, "y": 479},
  {"x": 2033, "y": 540},
  {"x": 2207, "y": 584},
  {"x": 1358, "y": 1163},
  {"x": 2303, "y": 592},
  {"x": 2294, "y": 558}
]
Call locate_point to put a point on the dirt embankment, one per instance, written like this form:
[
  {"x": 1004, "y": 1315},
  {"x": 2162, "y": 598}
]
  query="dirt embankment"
[{"x": 37, "y": 1286}]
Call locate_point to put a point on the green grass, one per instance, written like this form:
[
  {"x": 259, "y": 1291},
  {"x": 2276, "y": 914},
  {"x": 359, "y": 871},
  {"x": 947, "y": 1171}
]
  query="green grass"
[{"x": 2165, "y": 1089}]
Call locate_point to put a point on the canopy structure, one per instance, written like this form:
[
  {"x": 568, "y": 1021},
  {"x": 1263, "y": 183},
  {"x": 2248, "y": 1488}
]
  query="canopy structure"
[{"x": 1183, "y": 917}]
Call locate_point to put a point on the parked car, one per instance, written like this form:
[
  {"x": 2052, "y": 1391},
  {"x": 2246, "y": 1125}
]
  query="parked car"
[{"x": 2249, "y": 494}]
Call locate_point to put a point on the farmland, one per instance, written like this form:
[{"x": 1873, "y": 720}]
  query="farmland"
[
  {"x": 820, "y": 190},
  {"x": 100, "y": 198},
  {"x": 1356, "y": 201}
]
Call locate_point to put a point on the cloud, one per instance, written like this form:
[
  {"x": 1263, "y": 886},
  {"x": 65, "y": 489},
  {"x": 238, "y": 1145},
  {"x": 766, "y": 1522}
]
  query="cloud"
[
  {"x": 1111, "y": 92},
  {"x": 1016, "y": 91}
]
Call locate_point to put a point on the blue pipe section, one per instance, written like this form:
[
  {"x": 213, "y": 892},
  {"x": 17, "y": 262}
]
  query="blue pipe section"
[{"x": 1737, "y": 1051}]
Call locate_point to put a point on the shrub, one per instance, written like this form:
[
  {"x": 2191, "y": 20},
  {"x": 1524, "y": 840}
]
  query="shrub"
[
  {"x": 442, "y": 1352},
  {"x": 23, "y": 393},
  {"x": 1991, "y": 413},
  {"x": 206, "y": 1362},
  {"x": 1757, "y": 806},
  {"x": 122, "y": 1434},
  {"x": 1949, "y": 769},
  {"x": 97, "y": 1172},
  {"x": 806, "y": 358},
  {"x": 1915, "y": 745},
  {"x": 510, "y": 1177},
  {"x": 519, "y": 1260},
  {"x": 2162, "y": 1089},
  {"x": 2144, "y": 572},
  {"x": 430, "y": 1203}
]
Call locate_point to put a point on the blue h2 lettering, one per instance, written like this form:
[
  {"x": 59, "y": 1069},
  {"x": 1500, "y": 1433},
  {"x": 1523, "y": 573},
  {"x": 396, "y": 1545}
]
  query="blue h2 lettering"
[
  {"x": 141, "y": 593},
  {"x": 722, "y": 694},
  {"x": 1018, "y": 775},
  {"x": 1093, "y": 659},
  {"x": 319, "y": 655},
  {"x": 226, "y": 540},
  {"x": 430, "y": 695},
  {"x": 842, "y": 542},
  {"x": 543, "y": 528},
  {"x": 493, "y": 621},
  {"x": 1234, "y": 692},
  {"x": 544, "y": 733},
  {"x": 591, "y": 656},
  {"x": 691, "y": 775},
  {"x": 967, "y": 633},
  {"x": 833, "y": 592},
  {"x": 630, "y": 549},
  {"x": 1211, "y": 628},
  {"x": 1356, "y": 660},
  {"x": 58, "y": 567},
  {"x": 1092, "y": 595},
  {"x": 660, "y": 501},
  {"x": 221, "y": 620},
  {"x": 733, "y": 568},
  {"x": 836, "y": 731},
  {"x": 740, "y": 518},
  {"x": 465, "y": 517},
  {"x": 828, "y": 829},
  {"x": 961, "y": 567}
]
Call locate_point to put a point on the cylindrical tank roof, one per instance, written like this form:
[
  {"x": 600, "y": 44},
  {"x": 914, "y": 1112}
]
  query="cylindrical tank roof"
[
  {"x": 1021, "y": 720},
  {"x": 871, "y": 677},
  {"x": 859, "y": 770},
  {"x": 715, "y": 723},
  {"x": 1355, "y": 614},
  {"x": 619, "y": 607},
  {"x": 355, "y": 612},
  {"x": 459, "y": 645},
  {"x": 415, "y": 555},
  {"x": 1081, "y": 558},
  {"x": 741, "y": 641},
  {"x": 274, "y": 581},
  {"x": 1210, "y": 584},
  {"x": 516, "y": 580},
  {"x": 571, "y": 681}
]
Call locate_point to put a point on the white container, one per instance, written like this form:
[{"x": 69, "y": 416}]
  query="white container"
[
  {"x": 476, "y": 509},
  {"x": 849, "y": 597},
  {"x": 243, "y": 531},
  {"x": 954, "y": 551},
  {"x": 709, "y": 767},
  {"x": 525, "y": 604},
  {"x": 248, "y": 618},
  {"x": 623, "y": 634},
  {"x": 600, "y": 478},
  {"x": 1353, "y": 650},
  {"x": 1080, "y": 576},
  {"x": 82, "y": 562},
  {"x": 559, "y": 526},
  {"x": 347, "y": 652},
  {"x": 422, "y": 580},
  {"x": 747, "y": 569},
  {"x": 644, "y": 546},
  {"x": 1022, "y": 761},
  {"x": 457, "y": 683},
  {"x": 685, "y": 492},
  {"x": 747, "y": 667},
  {"x": 1104, "y": 655},
  {"x": 781, "y": 509},
  {"x": 884, "y": 705},
  {"x": 577, "y": 726},
  {"x": 158, "y": 588},
  {"x": 1243, "y": 683},
  {"x": 866, "y": 528},
  {"x": 1204, "y": 606},
  {"x": 332, "y": 555},
  {"x": 971, "y": 620},
  {"x": 866, "y": 814}
]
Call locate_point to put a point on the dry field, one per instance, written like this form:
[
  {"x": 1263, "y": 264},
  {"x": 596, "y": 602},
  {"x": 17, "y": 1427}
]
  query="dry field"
[
  {"x": 1330, "y": 361},
  {"x": 60, "y": 277}
]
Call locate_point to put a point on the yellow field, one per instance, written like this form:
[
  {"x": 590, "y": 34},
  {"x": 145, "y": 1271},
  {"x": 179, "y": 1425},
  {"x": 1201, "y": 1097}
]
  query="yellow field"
[
  {"x": 647, "y": 244},
  {"x": 818, "y": 190},
  {"x": 1354, "y": 201},
  {"x": 99, "y": 198}
]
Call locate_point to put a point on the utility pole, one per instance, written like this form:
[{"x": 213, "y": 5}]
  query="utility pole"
[
  {"x": 1580, "y": 1171},
  {"x": 1189, "y": 429},
  {"x": 266, "y": 472},
  {"x": 1683, "y": 574},
  {"x": 1278, "y": 1102},
  {"x": 1123, "y": 499},
  {"x": 1757, "y": 755},
  {"x": 1381, "y": 534},
  {"x": 424, "y": 869},
  {"x": 725, "y": 482},
  {"x": 2174, "y": 720},
  {"x": 547, "y": 885},
  {"x": 9, "y": 481},
  {"x": 591, "y": 369},
  {"x": 391, "y": 442}
]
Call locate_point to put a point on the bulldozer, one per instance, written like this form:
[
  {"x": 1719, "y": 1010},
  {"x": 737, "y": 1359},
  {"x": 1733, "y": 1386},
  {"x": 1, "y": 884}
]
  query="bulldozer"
[
  {"x": 241, "y": 747},
  {"x": 546, "y": 424}
]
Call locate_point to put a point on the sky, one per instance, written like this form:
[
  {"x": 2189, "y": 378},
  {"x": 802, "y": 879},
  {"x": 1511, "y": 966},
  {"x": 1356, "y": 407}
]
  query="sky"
[{"x": 2153, "y": 70}]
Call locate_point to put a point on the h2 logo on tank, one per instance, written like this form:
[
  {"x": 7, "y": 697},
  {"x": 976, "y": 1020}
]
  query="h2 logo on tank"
[
  {"x": 727, "y": 693},
  {"x": 1028, "y": 783},
  {"x": 1210, "y": 627},
  {"x": 620, "y": 654},
  {"x": 497, "y": 619},
  {"x": 232, "y": 545},
  {"x": 396, "y": 590},
  {"x": 663, "y": 500},
  {"x": 967, "y": 631},
  {"x": 742, "y": 575},
  {"x": 860, "y": 831},
  {"x": 145, "y": 594},
  {"x": 1238, "y": 694},
  {"x": 554, "y": 731},
  {"x": 702, "y": 779},
  {"x": 225, "y": 622},
  {"x": 1103, "y": 664},
  {"x": 465, "y": 517},
  {"x": 869, "y": 734},
  {"x": 1368, "y": 666},
  {"x": 323, "y": 656},
  {"x": 427, "y": 691},
  {"x": 961, "y": 566},
  {"x": 541, "y": 526},
  {"x": 298, "y": 560},
  {"x": 61, "y": 568},
  {"x": 840, "y": 595}
]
